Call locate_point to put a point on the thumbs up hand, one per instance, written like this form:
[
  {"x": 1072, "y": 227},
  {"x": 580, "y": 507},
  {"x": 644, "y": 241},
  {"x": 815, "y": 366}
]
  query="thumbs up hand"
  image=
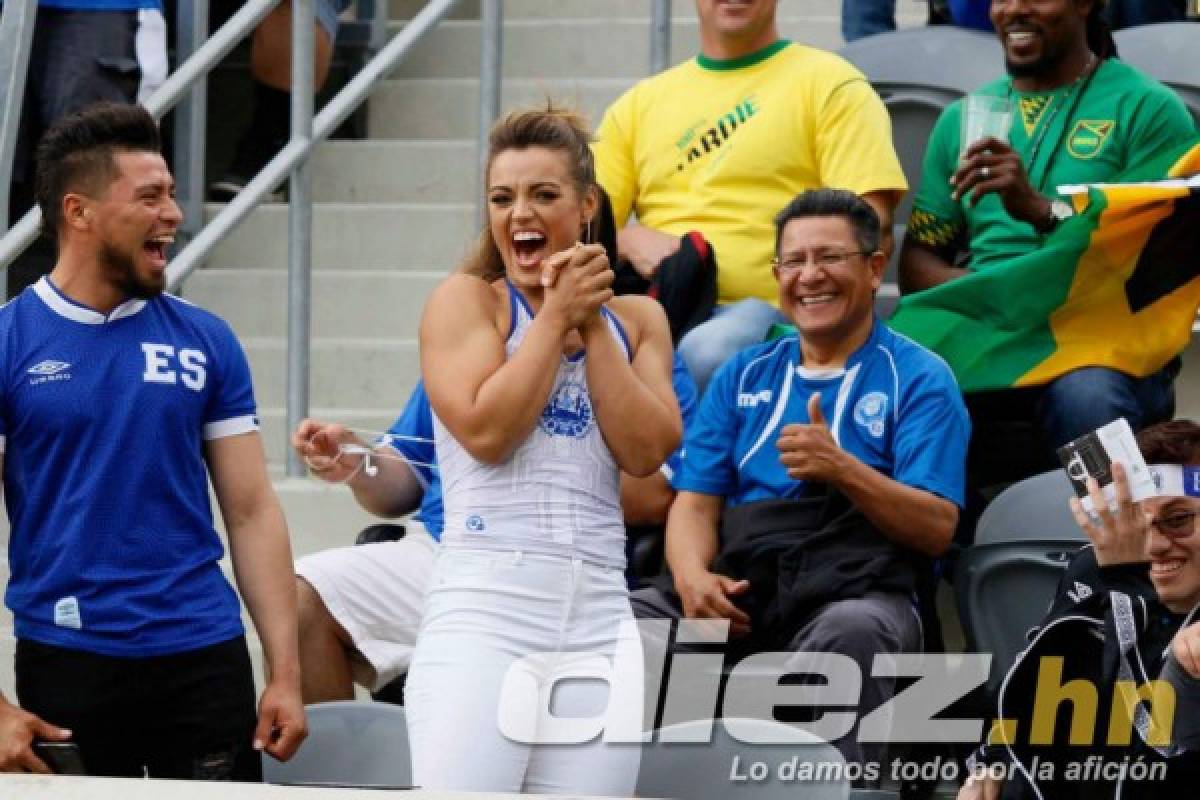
[{"x": 808, "y": 451}]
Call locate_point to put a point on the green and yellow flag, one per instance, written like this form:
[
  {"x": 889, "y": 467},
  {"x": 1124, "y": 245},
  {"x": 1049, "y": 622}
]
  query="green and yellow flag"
[{"x": 1115, "y": 286}]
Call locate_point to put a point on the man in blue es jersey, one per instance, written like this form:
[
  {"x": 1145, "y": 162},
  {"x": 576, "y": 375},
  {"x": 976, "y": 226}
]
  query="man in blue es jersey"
[
  {"x": 830, "y": 460},
  {"x": 360, "y": 607},
  {"x": 115, "y": 399}
]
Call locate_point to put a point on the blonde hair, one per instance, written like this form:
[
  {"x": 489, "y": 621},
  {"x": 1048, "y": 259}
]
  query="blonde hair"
[{"x": 554, "y": 128}]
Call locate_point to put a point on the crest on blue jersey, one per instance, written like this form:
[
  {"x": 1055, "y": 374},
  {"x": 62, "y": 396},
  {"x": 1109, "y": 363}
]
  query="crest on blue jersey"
[
  {"x": 871, "y": 413},
  {"x": 569, "y": 412}
]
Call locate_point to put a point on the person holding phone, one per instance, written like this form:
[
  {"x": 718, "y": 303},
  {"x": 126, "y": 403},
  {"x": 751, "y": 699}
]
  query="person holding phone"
[{"x": 1124, "y": 604}]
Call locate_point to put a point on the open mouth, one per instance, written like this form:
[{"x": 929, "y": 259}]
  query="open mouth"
[
  {"x": 1020, "y": 39},
  {"x": 811, "y": 300},
  {"x": 1166, "y": 567},
  {"x": 527, "y": 247},
  {"x": 156, "y": 249}
]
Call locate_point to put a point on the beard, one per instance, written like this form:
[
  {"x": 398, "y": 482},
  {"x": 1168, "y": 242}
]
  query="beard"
[
  {"x": 121, "y": 271},
  {"x": 1049, "y": 60}
]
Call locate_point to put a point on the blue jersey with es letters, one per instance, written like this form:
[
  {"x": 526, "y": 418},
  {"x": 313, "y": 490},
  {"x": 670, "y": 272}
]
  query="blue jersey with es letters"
[
  {"x": 103, "y": 422},
  {"x": 895, "y": 406},
  {"x": 414, "y": 432}
]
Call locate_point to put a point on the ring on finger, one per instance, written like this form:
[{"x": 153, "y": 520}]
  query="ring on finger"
[{"x": 985, "y": 172}]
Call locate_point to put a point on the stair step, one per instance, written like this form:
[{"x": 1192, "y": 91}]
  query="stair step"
[
  {"x": 433, "y": 108},
  {"x": 395, "y": 171},
  {"x": 589, "y": 47},
  {"x": 367, "y": 373},
  {"x": 345, "y": 303},
  {"x": 383, "y": 236}
]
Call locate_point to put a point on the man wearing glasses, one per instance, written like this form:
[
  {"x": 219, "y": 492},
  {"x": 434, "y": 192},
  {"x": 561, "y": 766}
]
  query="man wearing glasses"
[
  {"x": 831, "y": 460},
  {"x": 1122, "y": 615}
]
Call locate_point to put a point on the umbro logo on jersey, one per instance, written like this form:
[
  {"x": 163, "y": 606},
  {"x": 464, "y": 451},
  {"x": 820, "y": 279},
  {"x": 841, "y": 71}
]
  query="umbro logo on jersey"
[{"x": 49, "y": 370}]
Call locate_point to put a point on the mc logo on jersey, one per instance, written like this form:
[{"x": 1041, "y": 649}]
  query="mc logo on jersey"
[
  {"x": 164, "y": 365},
  {"x": 752, "y": 399}
]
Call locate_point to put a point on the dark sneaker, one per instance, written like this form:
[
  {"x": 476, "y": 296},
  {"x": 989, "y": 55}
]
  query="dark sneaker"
[
  {"x": 225, "y": 188},
  {"x": 252, "y": 154}
]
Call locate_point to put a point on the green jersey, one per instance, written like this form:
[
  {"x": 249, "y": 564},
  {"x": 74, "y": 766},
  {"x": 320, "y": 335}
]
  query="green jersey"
[{"x": 1090, "y": 131}]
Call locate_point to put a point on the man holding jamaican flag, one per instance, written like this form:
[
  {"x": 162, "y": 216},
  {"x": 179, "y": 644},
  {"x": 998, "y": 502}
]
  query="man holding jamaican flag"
[{"x": 1064, "y": 307}]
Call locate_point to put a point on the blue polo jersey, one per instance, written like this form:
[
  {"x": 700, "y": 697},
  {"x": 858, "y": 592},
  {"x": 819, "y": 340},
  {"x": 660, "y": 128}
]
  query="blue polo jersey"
[
  {"x": 413, "y": 430},
  {"x": 895, "y": 406},
  {"x": 103, "y": 420}
]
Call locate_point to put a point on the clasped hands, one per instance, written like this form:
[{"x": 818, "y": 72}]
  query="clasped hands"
[{"x": 577, "y": 282}]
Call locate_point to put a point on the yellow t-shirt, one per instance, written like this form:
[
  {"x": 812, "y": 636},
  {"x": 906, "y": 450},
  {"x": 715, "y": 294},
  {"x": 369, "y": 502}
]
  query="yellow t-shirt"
[{"x": 721, "y": 147}]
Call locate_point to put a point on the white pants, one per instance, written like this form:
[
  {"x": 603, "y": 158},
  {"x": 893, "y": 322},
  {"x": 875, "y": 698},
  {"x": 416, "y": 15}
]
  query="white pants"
[{"x": 485, "y": 613}]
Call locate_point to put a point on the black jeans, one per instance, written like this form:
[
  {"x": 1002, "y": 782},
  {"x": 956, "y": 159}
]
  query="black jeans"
[{"x": 187, "y": 715}]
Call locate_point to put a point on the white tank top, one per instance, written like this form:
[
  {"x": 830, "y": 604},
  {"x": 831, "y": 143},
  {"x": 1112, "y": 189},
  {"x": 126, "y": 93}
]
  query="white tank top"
[{"x": 559, "y": 493}]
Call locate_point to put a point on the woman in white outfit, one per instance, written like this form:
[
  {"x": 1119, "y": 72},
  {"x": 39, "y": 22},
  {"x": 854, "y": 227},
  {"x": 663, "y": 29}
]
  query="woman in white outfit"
[{"x": 543, "y": 385}]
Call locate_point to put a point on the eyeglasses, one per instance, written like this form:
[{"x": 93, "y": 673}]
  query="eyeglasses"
[
  {"x": 832, "y": 260},
  {"x": 1177, "y": 524}
]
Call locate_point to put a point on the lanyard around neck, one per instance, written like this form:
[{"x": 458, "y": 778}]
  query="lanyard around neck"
[{"x": 1073, "y": 96}]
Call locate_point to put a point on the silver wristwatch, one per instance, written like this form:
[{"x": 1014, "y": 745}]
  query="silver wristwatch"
[{"x": 1059, "y": 211}]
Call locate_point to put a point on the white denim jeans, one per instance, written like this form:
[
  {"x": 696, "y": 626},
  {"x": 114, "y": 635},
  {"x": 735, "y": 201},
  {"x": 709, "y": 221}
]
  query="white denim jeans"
[{"x": 515, "y": 658}]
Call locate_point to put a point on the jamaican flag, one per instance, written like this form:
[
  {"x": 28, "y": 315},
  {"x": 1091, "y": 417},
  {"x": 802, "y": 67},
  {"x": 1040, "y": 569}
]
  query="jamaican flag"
[{"x": 1114, "y": 286}]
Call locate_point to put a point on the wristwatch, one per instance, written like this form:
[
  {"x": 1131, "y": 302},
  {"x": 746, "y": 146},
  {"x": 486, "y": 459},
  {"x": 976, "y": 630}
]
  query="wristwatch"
[{"x": 1058, "y": 212}]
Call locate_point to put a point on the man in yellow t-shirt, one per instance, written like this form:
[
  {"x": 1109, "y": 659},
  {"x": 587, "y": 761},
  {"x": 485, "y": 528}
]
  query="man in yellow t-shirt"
[{"x": 721, "y": 143}]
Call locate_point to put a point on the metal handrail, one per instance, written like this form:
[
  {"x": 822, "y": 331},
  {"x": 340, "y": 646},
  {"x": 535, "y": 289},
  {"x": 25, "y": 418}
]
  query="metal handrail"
[
  {"x": 330, "y": 117},
  {"x": 307, "y": 132},
  {"x": 16, "y": 35},
  {"x": 205, "y": 58},
  {"x": 660, "y": 36}
]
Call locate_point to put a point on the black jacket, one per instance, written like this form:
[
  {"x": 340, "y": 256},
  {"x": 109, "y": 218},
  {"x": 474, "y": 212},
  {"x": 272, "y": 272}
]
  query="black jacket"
[
  {"x": 801, "y": 554},
  {"x": 1105, "y": 626}
]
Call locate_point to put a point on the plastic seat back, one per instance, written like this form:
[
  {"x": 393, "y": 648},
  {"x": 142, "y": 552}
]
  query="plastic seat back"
[
  {"x": 349, "y": 743},
  {"x": 941, "y": 57},
  {"x": 1004, "y": 590},
  {"x": 1007, "y": 579},
  {"x": 695, "y": 761},
  {"x": 1167, "y": 51}
]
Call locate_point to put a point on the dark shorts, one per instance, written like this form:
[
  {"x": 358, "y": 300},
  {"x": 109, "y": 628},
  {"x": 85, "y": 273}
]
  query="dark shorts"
[{"x": 188, "y": 715}]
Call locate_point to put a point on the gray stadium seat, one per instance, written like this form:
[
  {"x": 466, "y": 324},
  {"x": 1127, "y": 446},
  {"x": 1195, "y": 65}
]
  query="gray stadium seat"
[
  {"x": 1168, "y": 51},
  {"x": 1034, "y": 509},
  {"x": 1007, "y": 579},
  {"x": 918, "y": 72},
  {"x": 945, "y": 59},
  {"x": 689, "y": 770},
  {"x": 353, "y": 744}
]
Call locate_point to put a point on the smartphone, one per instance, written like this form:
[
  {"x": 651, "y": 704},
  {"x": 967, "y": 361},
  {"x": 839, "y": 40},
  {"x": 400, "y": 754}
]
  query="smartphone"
[{"x": 61, "y": 757}]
